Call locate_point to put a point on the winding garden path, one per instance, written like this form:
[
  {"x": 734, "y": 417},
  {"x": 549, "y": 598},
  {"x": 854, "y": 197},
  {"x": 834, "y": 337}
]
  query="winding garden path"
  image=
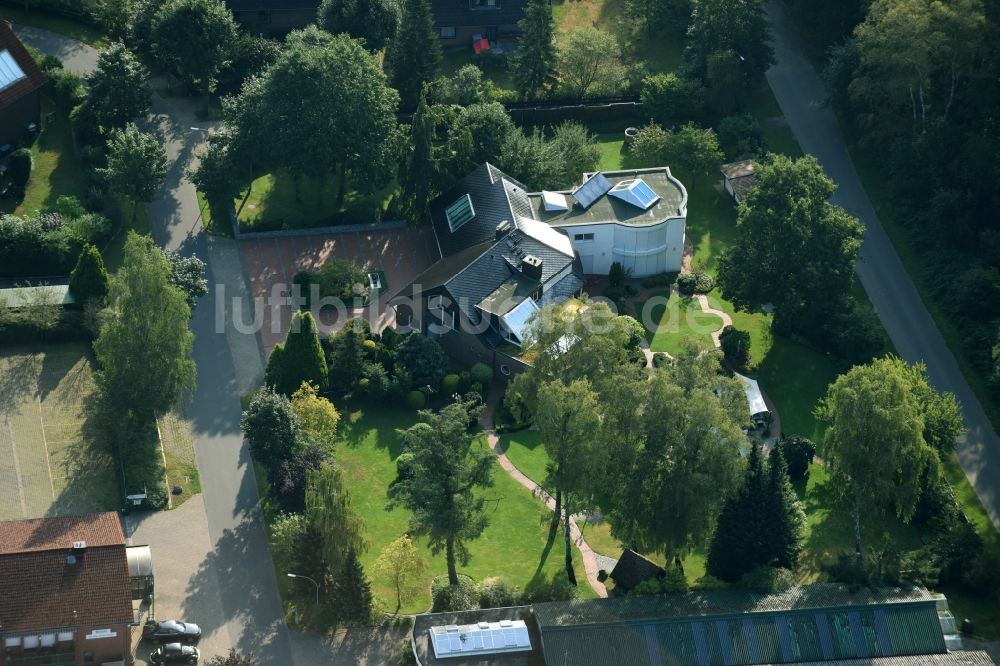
[{"x": 586, "y": 554}]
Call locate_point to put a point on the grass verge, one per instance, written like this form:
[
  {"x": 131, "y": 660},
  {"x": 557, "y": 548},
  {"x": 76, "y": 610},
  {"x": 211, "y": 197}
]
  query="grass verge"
[
  {"x": 178, "y": 450},
  {"x": 78, "y": 30}
]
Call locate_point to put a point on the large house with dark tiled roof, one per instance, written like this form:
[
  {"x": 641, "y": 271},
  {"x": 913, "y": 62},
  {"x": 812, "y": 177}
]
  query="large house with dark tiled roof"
[
  {"x": 274, "y": 16},
  {"x": 457, "y": 21},
  {"x": 65, "y": 592},
  {"x": 21, "y": 80},
  {"x": 506, "y": 252}
]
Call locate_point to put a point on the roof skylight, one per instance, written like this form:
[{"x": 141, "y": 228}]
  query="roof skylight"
[
  {"x": 554, "y": 201},
  {"x": 635, "y": 192},
  {"x": 460, "y": 212},
  {"x": 10, "y": 71},
  {"x": 482, "y": 638}
]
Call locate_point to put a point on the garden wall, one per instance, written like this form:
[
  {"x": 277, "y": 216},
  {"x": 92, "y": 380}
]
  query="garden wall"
[{"x": 238, "y": 233}]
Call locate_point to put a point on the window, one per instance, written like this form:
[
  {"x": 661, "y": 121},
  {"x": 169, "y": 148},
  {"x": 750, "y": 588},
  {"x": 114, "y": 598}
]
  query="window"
[
  {"x": 448, "y": 32},
  {"x": 460, "y": 212},
  {"x": 583, "y": 237},
  {"x": 484, "y": 4}
]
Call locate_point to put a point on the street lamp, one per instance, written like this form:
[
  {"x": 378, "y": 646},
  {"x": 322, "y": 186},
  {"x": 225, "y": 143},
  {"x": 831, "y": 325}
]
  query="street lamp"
[{"x": 291, "y": 575}]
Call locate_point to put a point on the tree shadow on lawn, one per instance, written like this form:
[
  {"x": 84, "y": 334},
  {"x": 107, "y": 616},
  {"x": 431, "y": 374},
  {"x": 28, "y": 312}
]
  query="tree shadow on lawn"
[
  {"x": 364, "y": 420},
  {"x": 20, "y": 370}
]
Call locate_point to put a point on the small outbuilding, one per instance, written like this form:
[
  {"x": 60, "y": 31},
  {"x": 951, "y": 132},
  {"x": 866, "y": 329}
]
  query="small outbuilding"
[
  {"x": 739, "y": 178},
  {"x": 759, "y": 413},
  {"x": 21, "y": 80},
  {"x": 633, "y": 569}
]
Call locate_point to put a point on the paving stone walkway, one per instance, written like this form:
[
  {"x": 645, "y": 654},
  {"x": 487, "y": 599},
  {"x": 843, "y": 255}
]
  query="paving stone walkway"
[{"x": 589, "y": 557}]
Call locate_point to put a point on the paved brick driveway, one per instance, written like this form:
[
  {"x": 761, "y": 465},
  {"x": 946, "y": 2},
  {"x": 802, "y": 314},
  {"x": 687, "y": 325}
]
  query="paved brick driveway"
[{"x": 271, "y": 263}]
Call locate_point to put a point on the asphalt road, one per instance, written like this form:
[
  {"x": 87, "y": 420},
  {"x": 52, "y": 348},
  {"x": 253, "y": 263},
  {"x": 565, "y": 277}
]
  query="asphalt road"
[
  {"x": 800, "y": 94},
  {"x": 237, "y": 571}
]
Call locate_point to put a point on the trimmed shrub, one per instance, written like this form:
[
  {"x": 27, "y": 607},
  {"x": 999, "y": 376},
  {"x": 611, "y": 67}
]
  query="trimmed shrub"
[
  {"x": 617, "y": 276},
  {"x": 659, "y": 280},
  {"x": 543, "y": 589},
  {"x": 768, "y": 580},
  {"x": 452, "y": 598},
  {"x": 481, "y": 373},
  {"x": 648, "y": 587},
  {"x": 798, "y": 453},
  {"x": 675, "y": 582},
  {"x": 709, "y": 582},
  {"x": 694, "y": 283},
  {"x": 736, "y": 346},
  {"x": 19, "y": 168},
  {"x": 70, "y": 207},
  {"x": 497, "y": 593},
  {"x": 449, "y": 385},
  {"x": 416, "y": 400},
  {"x": 89, "y": 280}
]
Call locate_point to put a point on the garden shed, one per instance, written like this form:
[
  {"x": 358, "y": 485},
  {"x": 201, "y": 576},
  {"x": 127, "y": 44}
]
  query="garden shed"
[
  {"x": 140, "y": 571},
  {"x": 759, "y": 413}
]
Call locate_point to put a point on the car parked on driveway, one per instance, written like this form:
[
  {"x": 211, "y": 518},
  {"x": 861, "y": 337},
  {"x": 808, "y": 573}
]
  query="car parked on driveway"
[
  {"x": 172, "y": 631},
  {"x": 175, "y": 653}
]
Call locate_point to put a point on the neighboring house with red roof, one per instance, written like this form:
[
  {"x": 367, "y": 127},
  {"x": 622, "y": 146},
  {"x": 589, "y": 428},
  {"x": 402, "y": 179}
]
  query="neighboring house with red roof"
[
  {"x": 21, "y": 80},
  {"x": 65, "y": 593}
]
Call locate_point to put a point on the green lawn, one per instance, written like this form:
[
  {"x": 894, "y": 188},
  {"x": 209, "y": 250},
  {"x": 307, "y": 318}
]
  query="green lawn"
[
  {"x": 55, "y": 171},
  {"x": 178, "y": 451},
  {"x": 517, "y": 545},
  {"x": 215, "y": 222},
  {"x": 78, "y": 30},
  {"x": 272, "y": 204},
  {"x": 675, "y": 323}
]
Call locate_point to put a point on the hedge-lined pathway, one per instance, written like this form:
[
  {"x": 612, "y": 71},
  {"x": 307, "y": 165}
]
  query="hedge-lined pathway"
[{"x": 587, "y": 555}]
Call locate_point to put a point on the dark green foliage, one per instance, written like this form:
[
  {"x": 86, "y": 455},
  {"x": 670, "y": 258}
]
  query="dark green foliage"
[
  {"x": 249, "y": 55},
  {"x": 533, "y": 63},
  {"x": 192, "y": 39},
  {"x": 857, "y": 335},
  {"x": 617, "y": 275},
  {"x": 653, "y": 16},
  {"x": 343, "y": 279},
  {"x": 687, "y": 149},
  {"x": 740, "y": 137},
  {"x": 217, "y": 177},
  {"x": 449, "y": 385},
  {"x": 353, "y": 592},
  {"x": 481, "y": 373},
  {"x": 768, "y": 580},
  {"x": 437, "y": 480},
  {"x": 798, "y": 453},
  {"x": 234, "y": 658},
  {"x": 726, "y": 83},
  {"x": 541, "y": 589},
  {"x": 289, "y": 475},
  {"x": 793, "y": 248},
  {"x": 47, "y": 243},
  {"x": 65, "y": 88},
  {"x": 416, "y": 400},
  {"x": 736, "y": 346},
  {"x": 271, "y": 427},
  {"x": 137, "y": 164},
  {"x": 374, "y": 21},
  {"x": 300, "y": 360},
  {"x": 422, "y": 361},
  {"x": 695, "y": 283},
  {"x": 117, "y": 90},
  {"x": 762, "y": 525},
  {"x": 415, "y": 56},
  {"x": 729, "y": 25},
  {"x": 498, "y": 593},
  {"x": 346, "y": 354},
  {"x": 671, "y": 100},
  {"x": 459, "y": 596},
  {"x": 19, "y": 166},
  {"x": 420, "y": 167},
  {"x": 89, "y": 280}
]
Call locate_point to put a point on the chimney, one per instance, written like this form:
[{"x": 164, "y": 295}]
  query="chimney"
[
  {"x": 531, "y": 266},
  {"x": 502, "y": 230}
]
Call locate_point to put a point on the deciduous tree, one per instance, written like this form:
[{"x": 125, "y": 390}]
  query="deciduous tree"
[
  {"x": 271, "y": 427},
  {"x": 318, "y": 417},
  {"x": 193, "y": 39},
  {"x": 137, "y": 165},
  {"x": 437, "y": 477},
  {"x": 793, "y": 248},
  {"x": 187, "y": 273},
  {"x": 401, "y": 564},
  {"x": 117, "y": 90},
  {"x": 590, "y": 63},
  {"x": 374, "y": 21},
  {"x": 730, "y": 25},
  {"x": 144, "y": 348},
  {"x": 874, "y": 444}
]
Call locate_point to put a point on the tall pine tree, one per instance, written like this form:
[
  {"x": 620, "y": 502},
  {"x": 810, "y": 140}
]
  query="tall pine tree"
[
  {"x": 354, "y": 598},
  {"x": 533, "y": 63},
  {"x": 761, "y": 525},
  {"x": 415, "y": 57},
  {"x": 420, "y": 168}
]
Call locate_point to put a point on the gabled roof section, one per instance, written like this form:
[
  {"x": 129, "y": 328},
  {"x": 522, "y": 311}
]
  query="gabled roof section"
[
  {"x": 632, "y": 569},
  {"x": 40, "y": 534},
  {"x": 20, "y": 75},
  {"x": 635, "y": 192},
  {"x": 463, "y": 13},
  {"x": 492, "y": 196}
]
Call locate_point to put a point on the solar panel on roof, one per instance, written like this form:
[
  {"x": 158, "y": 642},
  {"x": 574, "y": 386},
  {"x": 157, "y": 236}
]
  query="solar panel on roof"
[
  {"x": 592, "y": 189},
  {"x": 10, "y": 71},
  {"x": 472, "y": 639},
  {"x": 460, "y": 212}
]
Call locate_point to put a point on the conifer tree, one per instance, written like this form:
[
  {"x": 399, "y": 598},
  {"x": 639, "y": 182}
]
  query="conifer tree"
[
  {"x": 415, "y": 56},
  {"x": 420, "y": 167},
  {"x": 354, "y": 592},
  {"x": 533, "y": 63},
  {"x": 300, "y": 359},
  {"x": 786, "y": 520},
  {"x": 89, "y": 280}
]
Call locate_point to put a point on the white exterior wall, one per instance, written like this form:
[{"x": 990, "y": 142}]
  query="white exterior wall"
[{"x": 645, "y": 250}]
